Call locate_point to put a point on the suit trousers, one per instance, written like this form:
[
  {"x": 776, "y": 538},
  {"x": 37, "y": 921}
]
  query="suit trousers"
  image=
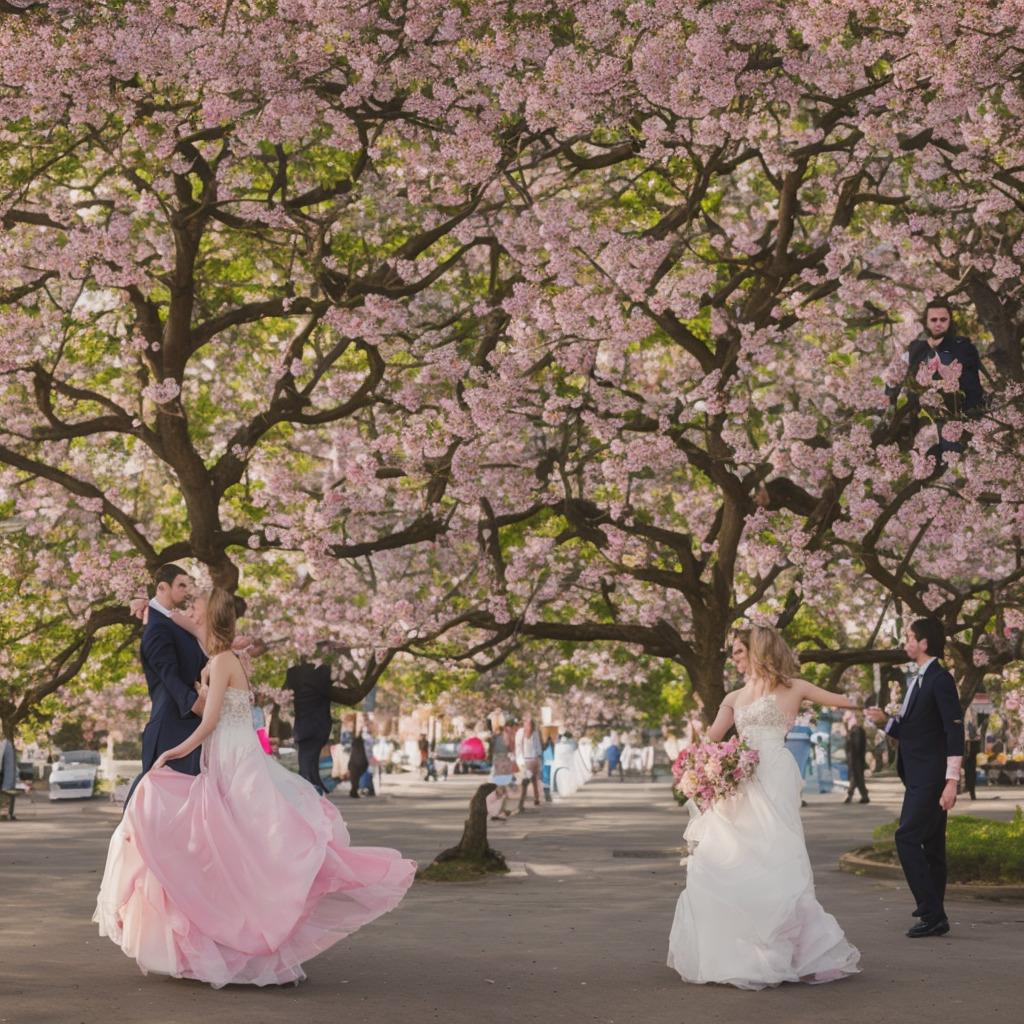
[
  {"x": 921, "y": 846},
  {"x": 309, "y": 758}
]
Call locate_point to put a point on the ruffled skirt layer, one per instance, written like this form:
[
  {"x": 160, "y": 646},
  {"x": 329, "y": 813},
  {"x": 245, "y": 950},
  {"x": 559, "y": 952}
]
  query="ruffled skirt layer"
[{"x": 240, "y": 874}]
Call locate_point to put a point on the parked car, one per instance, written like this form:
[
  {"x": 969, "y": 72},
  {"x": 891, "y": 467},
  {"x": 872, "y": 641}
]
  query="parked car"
[{"x": 73, "y": 777}]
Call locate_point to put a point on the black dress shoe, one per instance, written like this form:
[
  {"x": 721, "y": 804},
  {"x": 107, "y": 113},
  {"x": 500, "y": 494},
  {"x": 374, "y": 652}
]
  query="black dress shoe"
[
  {"x": 848, "y": 799},
  {"x": 864, "y": 800},
  {"x": 922, "y": 929}
]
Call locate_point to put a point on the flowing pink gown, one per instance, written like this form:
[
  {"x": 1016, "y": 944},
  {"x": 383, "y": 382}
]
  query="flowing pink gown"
[{"x": 239, "y": 874}]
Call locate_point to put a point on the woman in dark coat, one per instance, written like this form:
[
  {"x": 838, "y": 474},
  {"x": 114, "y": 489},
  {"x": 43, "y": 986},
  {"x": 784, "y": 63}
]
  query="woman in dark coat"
[{"x": 358, "y": 763}]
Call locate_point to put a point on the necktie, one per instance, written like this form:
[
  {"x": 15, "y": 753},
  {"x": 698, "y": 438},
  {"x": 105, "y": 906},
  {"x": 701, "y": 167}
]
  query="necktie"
[{"x": 915, "y": 682}]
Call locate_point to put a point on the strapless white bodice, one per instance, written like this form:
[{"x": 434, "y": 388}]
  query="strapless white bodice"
[
  {"x": 761, "y": 723},
  {"x": 236, "y": 711}
]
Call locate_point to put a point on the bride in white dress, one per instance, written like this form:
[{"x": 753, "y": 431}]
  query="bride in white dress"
[{"x": 748, "y": 915}]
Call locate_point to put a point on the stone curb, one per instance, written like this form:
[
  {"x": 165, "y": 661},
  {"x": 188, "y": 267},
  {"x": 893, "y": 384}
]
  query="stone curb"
[{"x": 856, "y": 862}]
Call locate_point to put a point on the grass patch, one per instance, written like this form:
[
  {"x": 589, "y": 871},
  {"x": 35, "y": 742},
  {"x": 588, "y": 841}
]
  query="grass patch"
[
  {"x": 977, "y": 849},
  {"x": 458, "y": 871}
]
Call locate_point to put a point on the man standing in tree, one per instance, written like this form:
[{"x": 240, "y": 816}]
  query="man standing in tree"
[{"x": 941, "y": 349}]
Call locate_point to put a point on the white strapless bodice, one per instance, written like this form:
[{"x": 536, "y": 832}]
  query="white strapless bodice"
[
  {"x": 234, "y": 736},
  {"x": 236, "y": 711},
  {"x": 762, "y": 724}
]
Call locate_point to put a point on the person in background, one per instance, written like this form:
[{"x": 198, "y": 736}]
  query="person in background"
[
  {"x": 547, "y": 759},
  {"x": 366, "y": 787},
  {"x": 503, "y": 769},
  {"x": 358, "y": 763},
  {"x": 613, "y": 754},
  {"x": 856, "y": 759},
  {"x": 528, "y": 757},
  {"x": 314, "y": 688},
  {"x": 8, "y": 778},
  {"x": 972, "y": 748}
]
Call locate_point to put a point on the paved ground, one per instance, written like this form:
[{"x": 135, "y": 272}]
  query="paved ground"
[{"x": 577, "y": 935}]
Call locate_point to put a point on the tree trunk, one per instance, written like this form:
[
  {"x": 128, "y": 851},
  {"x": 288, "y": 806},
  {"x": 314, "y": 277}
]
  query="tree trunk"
[
  {"x": 972, "y": 677},
  {"x": 474, "y": 846},
  {"x": 707, "y": 675}
]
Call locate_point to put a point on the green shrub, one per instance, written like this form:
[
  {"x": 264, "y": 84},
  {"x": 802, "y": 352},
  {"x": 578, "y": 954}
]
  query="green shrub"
[{"x": 977, "y": 849}]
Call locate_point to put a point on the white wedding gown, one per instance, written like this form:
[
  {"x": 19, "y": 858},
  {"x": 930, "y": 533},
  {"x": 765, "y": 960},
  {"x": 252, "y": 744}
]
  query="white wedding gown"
[{"x": 748, "y": 915}]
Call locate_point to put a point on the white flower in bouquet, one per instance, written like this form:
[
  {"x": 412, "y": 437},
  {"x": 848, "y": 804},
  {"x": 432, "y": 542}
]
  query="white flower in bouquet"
[{"x": 895, "y": 706}]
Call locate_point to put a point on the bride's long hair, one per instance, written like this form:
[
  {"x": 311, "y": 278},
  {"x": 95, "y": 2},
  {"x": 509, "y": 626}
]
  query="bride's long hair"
[
  {"x": 220, "y": 620},
  {"x": 770, "y": 656}
]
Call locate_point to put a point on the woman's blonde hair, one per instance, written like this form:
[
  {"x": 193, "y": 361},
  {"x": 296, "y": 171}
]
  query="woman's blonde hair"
[
  {"x": 220, "y": 620},
  {"x": 770, "y": 656}
]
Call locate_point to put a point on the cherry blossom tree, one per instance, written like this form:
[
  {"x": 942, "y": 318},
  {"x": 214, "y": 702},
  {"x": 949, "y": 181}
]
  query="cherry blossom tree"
[
  {"x": 707, "y": 435},
  {"x": 50, "y": 635},
  {"x": 447, "y": 328}
]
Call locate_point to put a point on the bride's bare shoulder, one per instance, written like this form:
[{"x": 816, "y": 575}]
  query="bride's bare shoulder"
[{"x": 226, "y": 661}]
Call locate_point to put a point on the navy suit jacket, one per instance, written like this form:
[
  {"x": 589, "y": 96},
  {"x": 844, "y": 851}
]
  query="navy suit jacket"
[
  {"x": 930, "y": 731},
  {"x": 312, "y": 687},
  {"x": 172, "y": 660}
]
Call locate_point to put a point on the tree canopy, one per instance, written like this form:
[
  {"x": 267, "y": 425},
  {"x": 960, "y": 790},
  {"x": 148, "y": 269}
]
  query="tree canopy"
[{"x": 452, "y": 328}]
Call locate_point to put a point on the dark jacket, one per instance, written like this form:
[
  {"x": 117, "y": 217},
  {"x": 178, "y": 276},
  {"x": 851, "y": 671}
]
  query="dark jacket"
[
  {"x": 358, "y": 762},
  {"x": 951, "y": 348},
  {"x": 8, "y": 765},
  {"x": 172, "y": 660},
  {"x": 311, "y": 685},
  {"x": 930, "y": 731},
  {"x": 856, "y": 744}
]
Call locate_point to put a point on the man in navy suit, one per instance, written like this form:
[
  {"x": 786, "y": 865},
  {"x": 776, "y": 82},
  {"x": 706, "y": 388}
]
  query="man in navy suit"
[
  {"x": 930, "y": 731},
  {"x": 172, "y": 660},
  {"x": 314, "y": 688}
]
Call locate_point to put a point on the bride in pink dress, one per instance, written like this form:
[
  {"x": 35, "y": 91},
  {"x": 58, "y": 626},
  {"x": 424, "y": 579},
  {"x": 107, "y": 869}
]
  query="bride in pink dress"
[{"x": 242, "y": 873}]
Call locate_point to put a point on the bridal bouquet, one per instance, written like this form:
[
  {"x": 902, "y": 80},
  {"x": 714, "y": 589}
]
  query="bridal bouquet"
[{"x": 708, "y": 772}]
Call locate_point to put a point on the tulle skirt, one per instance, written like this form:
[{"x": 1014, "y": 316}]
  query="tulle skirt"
[{"x": 239, "y": 874}]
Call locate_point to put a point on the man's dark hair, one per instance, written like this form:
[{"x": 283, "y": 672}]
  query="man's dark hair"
[
  {"x": 168, "y": 574},
  {"x": 937, "y": 304},
  {"x": 931, "y": 631}
]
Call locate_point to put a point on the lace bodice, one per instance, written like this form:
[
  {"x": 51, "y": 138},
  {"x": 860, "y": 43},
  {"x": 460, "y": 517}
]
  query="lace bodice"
[
  {"x": 236, "y": 709},
  {"x": 762, "y": 717}
]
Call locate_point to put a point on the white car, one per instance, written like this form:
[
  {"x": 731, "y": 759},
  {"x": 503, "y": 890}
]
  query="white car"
[{"x": 73, "y": 777}]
